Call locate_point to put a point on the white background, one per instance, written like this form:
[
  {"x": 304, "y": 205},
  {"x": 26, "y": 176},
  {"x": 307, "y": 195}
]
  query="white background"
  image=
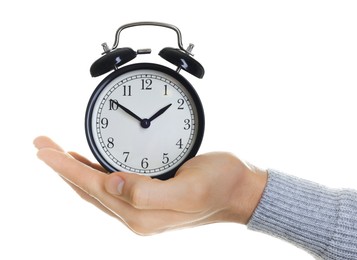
[{"x": 279, "y": 91}]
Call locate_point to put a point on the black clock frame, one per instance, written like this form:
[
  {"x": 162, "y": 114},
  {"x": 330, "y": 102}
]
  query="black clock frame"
[{"x": 132, "y": 67}]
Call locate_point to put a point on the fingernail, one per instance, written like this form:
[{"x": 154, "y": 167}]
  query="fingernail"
[
  {"x": 120, "y": 185},
  {"x": 115, "y": 185}
]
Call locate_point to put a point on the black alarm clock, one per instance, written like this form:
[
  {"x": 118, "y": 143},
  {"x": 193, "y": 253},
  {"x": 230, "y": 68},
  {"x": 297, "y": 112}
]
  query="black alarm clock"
[{"x": 145, "y": 118}]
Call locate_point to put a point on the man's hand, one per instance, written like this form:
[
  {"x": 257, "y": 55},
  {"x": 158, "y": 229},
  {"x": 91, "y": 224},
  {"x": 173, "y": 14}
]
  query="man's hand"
[{"x": 213, "y": 187}]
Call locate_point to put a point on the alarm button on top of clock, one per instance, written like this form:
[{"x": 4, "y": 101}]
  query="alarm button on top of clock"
[
  {"x": 111, "y": 60},
  {"x": 183, "y": 61}
]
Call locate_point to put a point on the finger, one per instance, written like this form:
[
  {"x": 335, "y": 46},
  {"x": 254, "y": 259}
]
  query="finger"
[
  {"x": 87, "y": 162},
  {"x": 112, "y": 206},
  {"x": 89, "y": 183},
  {"x": 81, "y": 175},
  {"x": 45, "y": 142},
  {"x": 145, "y": 193},
  {"x": 91, "y": 199},
  {"x": 142, "y": 222},
  {"x": 86, "y": 181}
]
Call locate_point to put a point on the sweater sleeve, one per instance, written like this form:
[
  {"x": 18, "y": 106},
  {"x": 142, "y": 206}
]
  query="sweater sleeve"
[{"x": 319, "y": 220}]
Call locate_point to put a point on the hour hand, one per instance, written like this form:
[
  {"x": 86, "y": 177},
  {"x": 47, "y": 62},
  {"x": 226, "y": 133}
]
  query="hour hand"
[
  {"x": 126, "y": 110},
  {"x": 159, "y": 113}
]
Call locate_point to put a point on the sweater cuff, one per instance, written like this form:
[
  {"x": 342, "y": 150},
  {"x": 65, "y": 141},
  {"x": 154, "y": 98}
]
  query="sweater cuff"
[{"x": 303, "y": 213}]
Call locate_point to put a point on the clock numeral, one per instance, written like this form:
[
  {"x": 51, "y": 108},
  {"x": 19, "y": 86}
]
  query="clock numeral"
[
  {"x": 110, "y": 143},
  {"x": 179, "y": 143},
  {"x": 165, "y": 91},
  {"x": 104, "y": 121},
  {"x": 144, "y": 163},
  {"x": 180, "y": 102},
  {"x": 126, "y": 90},
  {"x": 146, "y": 84},
  {"x": 187, "y": 124},
  {"x": 113, "y": 104},
  {"x": 165, "y": 158},
  {"x": 126, "y": 154}
]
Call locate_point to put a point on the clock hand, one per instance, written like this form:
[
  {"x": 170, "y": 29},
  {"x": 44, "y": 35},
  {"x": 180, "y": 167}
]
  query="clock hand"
[
  {"x": 145, "y": 123},
  {"x": 127, "y": 110},
  {"x": 160, "y": 112}
]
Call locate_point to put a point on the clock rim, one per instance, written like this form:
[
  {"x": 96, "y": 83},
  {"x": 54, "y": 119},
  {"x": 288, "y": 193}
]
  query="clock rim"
[{"x": 150, "y": 66}]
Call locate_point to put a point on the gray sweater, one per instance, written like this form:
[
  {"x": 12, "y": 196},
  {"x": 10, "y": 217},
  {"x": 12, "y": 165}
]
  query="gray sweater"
[{"x": 319, "y": 220}]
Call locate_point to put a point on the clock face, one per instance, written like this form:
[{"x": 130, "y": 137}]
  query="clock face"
[{"x": 146, "y": 119}]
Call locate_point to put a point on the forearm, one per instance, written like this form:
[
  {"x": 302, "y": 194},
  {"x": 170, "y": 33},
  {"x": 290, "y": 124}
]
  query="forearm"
[{"x": 320, "y": 220}]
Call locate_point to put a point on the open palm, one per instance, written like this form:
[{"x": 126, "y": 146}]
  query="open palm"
[{"x": 213, "y": 187}]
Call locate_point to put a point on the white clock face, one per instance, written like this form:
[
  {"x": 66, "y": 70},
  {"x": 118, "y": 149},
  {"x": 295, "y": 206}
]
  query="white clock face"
[{"x": 144, "y": 121}]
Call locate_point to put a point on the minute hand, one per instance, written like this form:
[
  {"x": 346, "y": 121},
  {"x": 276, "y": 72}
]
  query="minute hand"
[
  {"x": 127, "y": 110},
  {"x": 160, "y": 112}
]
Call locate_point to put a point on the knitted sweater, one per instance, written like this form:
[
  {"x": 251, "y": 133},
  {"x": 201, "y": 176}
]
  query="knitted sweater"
[{"x": 319, "y": 220}]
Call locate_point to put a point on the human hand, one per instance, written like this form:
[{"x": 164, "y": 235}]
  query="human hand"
[{"x": 213, "y": 187}]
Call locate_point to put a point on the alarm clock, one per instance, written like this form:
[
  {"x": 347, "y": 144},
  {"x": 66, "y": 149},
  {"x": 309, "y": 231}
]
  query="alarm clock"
[{"x": 145, "y": 118}]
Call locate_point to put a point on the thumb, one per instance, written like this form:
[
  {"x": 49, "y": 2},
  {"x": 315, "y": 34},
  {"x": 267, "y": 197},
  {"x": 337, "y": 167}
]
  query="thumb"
[{"x": 143, "y": 192}]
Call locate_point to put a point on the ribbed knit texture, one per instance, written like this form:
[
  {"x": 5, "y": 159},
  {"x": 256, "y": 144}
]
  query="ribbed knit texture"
[{"x": 319, "y": 220}]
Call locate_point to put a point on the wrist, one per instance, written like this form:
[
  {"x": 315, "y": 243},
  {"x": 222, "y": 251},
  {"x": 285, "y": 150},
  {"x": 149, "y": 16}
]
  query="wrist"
[{"x": 247, "y": 194}]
